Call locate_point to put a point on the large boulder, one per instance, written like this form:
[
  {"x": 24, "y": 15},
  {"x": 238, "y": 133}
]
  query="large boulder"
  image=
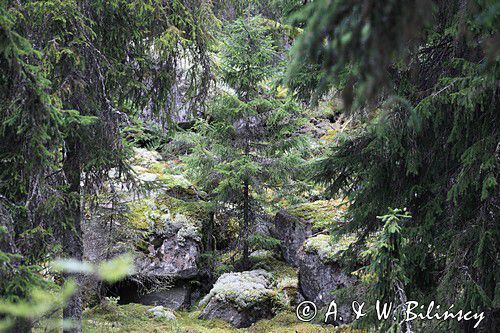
[
  {"x": 292, "y": 232},
  {"x": 293, "y": 226},
  {"x": 173, "y": 251},
  {"x": 240, "y": 298},
  {"x": 320, "y": 274}
]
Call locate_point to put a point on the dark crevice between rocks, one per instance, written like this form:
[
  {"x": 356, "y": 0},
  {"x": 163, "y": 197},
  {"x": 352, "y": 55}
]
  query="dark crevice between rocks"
[{"x": 181, "y": 294}]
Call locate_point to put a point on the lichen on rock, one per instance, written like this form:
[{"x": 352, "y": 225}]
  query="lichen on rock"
[
  {"x": 327, "y": 248},
  {"x": 244, "y": 289},
  {"x": 240, "y": 298},
  {"x": 161, "y": 312}
]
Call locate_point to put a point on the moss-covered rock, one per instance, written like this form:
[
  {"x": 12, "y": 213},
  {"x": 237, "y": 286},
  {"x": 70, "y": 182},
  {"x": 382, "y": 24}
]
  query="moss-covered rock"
[
  {"x": 285, "y": 276},
  {"x": 197, "y": 210},
  {"x": 321, "y": 273},
  {"x": 240, "y": 298},
  {"x": 327, "y": 248},
  {"x": 160, "y": 175},
  {"x": 145, "y": 157},
  {"x": 322, "y": 214},
  {"x": 244, "y": 289},
  {"x": 172, "y": 249},
  {"x": 161, "y": 312}
]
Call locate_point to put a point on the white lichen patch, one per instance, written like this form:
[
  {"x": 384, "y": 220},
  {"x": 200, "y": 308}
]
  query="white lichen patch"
[
  {"x": 149, "y": 167},
  {"x": 147, "y": 177},
  {"x": 243, "y": 289},
  {"x": 161, "y": 312},
  {"x": 259, "y": 255},
  {"x": 188, "y": 230},
  {"x": 145, "y": 157},
  {"x": 326, "y": 248}
]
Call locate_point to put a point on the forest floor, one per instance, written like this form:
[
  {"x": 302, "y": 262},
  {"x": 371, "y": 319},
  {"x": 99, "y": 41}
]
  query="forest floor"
[{"x": 134, "y": 318}]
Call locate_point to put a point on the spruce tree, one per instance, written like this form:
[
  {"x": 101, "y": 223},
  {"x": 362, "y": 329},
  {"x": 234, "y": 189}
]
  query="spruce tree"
[
  {"x": 32, "y": 131},
  {"x": 87, "y": 67},
  {"x": 248, "y": 143},
  {"x": 421, "y": 79}
]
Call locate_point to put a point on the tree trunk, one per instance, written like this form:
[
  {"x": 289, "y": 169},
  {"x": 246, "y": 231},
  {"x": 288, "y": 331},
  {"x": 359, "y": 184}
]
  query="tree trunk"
[
  {"x": 209, "y": 231},
  {"x": 72, "y": 238},
  {"x": 7, "y": 245},
  {"x": 246, "y": 226}
]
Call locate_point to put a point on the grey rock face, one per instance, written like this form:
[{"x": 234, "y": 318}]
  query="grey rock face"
[
  {"x": 176, "y": 297},
  {"x": 240, "y": 298},
  {"x": 177, "y": 253},
  {"x": 229, "y": 313},
  {"x": 317, "y": 280},
  {"x": 171, "y": 259},
  {"x": 263, "y": 225},
  {"x": 292, "y": 232}
]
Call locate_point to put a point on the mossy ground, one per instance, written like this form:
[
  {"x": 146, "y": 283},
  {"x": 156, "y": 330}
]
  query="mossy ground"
[{"x": 134, "y": 318}]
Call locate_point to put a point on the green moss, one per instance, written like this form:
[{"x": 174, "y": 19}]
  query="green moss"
[
  {"x": 322, "y": 213},
  {"x": 286, "y": 322},
  {"x": 148, "y": 214},
  {"x": 173, "y": 181},
  {"x": 327, "y": 248},
  {"x": 134, "y": 318},
  {"x": 140, "y": 211},
  {"x": 197, "y": 210},
  {"x": 330, "y": 135},
  {"x": 157, "y": 167},
  {"x": 150, "y": 168}
]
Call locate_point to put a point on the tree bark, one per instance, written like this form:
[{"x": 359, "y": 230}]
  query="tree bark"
[
  {"x": 72, "y": 237},
  {"x": 246, "y": 225},
  {"x": 209, "y": 232},
  {"x": 246, "y": 199},
  {"x": 7, "y": 245}
]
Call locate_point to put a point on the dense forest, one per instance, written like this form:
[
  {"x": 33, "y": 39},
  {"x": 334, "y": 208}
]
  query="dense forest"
[{"x": 249, "y": 166}]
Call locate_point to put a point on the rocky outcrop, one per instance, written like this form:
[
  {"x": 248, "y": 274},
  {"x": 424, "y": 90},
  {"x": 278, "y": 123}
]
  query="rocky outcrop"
[
  {"x": 293, "y": 226},
  {"x": 173, "y": 251},
  {"x": 292, "y": 232},
  {"x": 172, "y": 258},
  {"x": 320, "y": 274},
  {"x": 159, "y": 223},
  {"x": 263, "y": 225},
  {"x": 240, "y": 299}
]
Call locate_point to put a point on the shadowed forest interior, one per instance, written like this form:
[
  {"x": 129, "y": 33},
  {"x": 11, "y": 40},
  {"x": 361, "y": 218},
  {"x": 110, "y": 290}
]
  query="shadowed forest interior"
[{"x": 222, "y": 165}]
